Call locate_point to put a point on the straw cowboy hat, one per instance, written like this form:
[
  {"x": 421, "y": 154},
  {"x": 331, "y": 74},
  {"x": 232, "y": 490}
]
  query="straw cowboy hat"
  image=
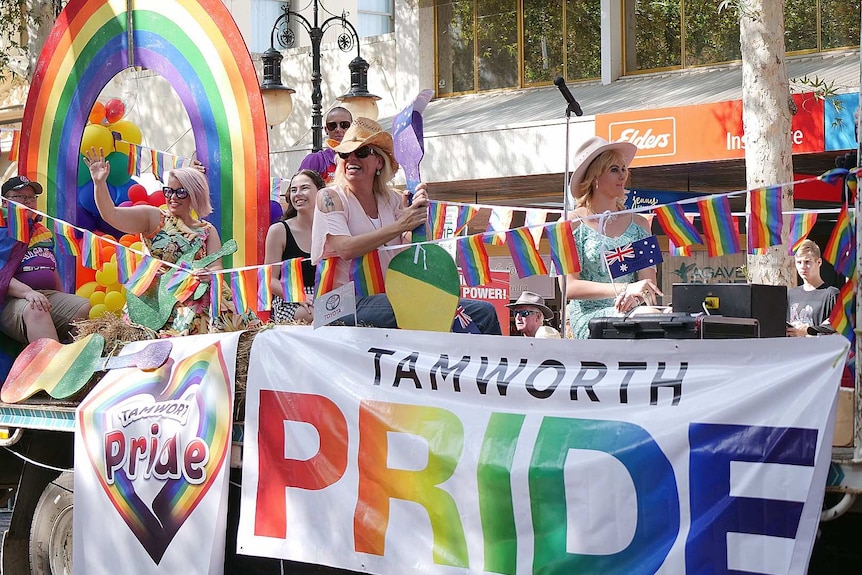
[
  {"x": 365, "y": 132},
  {"x": 535, "y": 300},
  {"x": 589, "y": 151}
]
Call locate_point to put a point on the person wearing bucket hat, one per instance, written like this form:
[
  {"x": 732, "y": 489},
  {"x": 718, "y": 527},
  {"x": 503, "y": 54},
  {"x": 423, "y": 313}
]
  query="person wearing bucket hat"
[
  {"x": 598, "y": 186},
  {"x": 360, "y": 212},
  {"x": 33, "y": 305},
  {"x": 530, "y": 313}
]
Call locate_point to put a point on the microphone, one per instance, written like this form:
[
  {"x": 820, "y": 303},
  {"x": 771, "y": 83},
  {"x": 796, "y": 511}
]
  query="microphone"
[{"x": 564, "y": 90}]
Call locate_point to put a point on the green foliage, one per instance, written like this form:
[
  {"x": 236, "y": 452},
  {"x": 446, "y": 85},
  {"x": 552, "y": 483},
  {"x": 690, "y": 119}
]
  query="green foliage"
[{"x": 17, "y": 19}]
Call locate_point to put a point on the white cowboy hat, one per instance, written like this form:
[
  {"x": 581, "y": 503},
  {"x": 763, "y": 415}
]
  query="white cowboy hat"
[
  {"x": 589, "y": 151},
  {"x": 535, "y": 300}
]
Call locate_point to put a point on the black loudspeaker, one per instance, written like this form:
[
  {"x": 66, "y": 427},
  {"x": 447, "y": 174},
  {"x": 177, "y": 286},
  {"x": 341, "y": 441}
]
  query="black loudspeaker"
[{"x": 765, "y": 303}]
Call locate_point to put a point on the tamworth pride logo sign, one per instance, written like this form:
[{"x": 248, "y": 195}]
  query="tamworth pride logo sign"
[{"x": 447, "y": 453}]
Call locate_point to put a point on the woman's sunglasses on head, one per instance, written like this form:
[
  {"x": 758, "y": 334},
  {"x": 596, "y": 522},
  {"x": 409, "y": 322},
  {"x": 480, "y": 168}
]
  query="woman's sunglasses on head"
[
  {"x": 360, "y": 153},
  {"x": 331, "y": 126},
  {"x": 180, "y": 193}
]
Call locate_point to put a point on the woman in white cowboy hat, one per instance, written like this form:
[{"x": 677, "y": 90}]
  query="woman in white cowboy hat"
[
  {"x": 598, "y": 185},
  {"x": 360, "y": 213}
]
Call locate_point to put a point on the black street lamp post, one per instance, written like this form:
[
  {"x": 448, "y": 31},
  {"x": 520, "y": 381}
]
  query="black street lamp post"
[{"x": 277, "y": 98}]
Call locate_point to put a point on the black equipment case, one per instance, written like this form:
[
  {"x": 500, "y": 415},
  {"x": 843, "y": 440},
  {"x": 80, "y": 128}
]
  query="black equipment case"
[{"x": 673, "y": 326}]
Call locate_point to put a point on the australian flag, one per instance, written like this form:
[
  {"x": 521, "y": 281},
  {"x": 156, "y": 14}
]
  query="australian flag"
[
  {"x": 463, "y": 322},
  {"x": 633, "y": 257}
]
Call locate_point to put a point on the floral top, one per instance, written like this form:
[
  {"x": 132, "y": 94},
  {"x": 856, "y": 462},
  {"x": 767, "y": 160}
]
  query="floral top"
[{"x": 173, "y": 238}]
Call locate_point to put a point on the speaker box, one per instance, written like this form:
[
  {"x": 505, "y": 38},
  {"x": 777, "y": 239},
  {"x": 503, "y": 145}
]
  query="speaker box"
[{"x": 765, "y": 303}]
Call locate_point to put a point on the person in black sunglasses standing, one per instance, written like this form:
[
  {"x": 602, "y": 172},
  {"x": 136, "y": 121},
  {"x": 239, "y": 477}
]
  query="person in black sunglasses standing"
[
  {"x": 169, "y": 234},
  {"x": 323, "y": 162},
  {"x": 361, "y": 213}
]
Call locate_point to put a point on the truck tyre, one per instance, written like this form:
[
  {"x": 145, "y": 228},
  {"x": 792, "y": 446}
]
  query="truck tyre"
[{"x": 51, "y": 530}]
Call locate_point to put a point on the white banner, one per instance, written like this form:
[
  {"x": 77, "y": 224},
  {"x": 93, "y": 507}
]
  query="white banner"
[
  {"x": 389, "y": 451},
  {"x": 151, "y": 464}
]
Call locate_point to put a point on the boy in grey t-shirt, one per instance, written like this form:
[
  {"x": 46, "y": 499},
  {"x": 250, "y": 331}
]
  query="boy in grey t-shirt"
[{"x": 809, "y": 305}]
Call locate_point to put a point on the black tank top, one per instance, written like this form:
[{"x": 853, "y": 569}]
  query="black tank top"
[{"x": 292, "y": 250}]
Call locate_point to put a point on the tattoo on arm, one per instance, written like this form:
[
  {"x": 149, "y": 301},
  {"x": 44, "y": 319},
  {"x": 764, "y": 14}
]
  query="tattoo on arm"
[{"x": 328, "y": 204}]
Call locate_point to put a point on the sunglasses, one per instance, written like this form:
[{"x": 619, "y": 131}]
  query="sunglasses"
[
  {"x": 180, "y": 193},
  {"x": 360, "y": 153},
  {"x": 331, "y": 126},
  {"x": 524, "y": 312}
]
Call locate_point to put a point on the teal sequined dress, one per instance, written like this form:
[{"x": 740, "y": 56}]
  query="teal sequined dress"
[{"x": 591, "y": 247}]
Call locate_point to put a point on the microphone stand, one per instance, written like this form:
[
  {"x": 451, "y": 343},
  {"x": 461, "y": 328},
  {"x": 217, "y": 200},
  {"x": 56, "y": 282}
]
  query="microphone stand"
[{"x": 564, "y": 316}]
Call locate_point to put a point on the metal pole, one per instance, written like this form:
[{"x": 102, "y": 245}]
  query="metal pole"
[
  {"x": 564, "y": 311},
  {"x": 857, "y": 433},
  {"x": 316, "y": 35}
]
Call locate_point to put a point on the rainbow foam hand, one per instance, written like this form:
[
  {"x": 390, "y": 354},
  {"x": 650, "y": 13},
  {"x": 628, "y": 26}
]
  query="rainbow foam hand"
[
  {"x": 63, "y": 370},
  {"x": 409, "y": 143},
  {"x": 153, "y": 308}
]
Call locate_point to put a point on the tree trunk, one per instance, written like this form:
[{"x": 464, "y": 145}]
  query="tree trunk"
[{"x": 766, "y": 114}]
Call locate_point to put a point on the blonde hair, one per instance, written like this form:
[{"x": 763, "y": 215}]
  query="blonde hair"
[
  {"x": 601, "y": 164},
  {"x": 808, "y": 248},
  {"x": 380, "y": 186},
  {"x": 195, "y": 183}
]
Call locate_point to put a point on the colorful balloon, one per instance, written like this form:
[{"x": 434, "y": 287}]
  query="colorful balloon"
[
  {"x": 157, "y": 199},
  {"x": 86, "y": 290},
  {"x": 114, "y": 300},
  {"x": 114, "y": 110},
  {"x": 137, "y": 193},
  {"x": 98, "y": 311},
  {"x": 129, "y": 132},
  {"x": 119, "y": 168},
  {"x": 97, "y": 114},
  {"x": 97, "y": 136}
]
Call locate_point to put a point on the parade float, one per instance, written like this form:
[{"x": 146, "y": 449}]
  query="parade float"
[{"x": 368, "y": 450}]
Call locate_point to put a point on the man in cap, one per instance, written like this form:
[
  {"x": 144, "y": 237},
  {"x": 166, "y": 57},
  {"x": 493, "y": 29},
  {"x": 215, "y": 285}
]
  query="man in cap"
[
  {"x": 530, "y": 313},
  {"x": 33, "y": 306}
]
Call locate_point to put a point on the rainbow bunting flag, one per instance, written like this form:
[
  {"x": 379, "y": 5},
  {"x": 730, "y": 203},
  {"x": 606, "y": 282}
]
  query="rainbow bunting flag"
[
  {"x": 125, "y": 263},
  {"x": 264, "y": 289},
  {"x": 534, "y": 220},
  {"x": 719, "y": 226},
  {"x": 564, "y": 252},
  {"x": 465, "y": 214},
  {"x": 833, "y": 176},
  {"x": 677, "y": 226},
  {"x": 852, "y": 183},
  {"x": 525, "y": 256},
  {"x": 3, "y": 223},
  {"x": 144, "y": 275},
  {"x": 765, "y": 220},
  {"x": 240, "y": 294},
  {"x": 40, "y": 235},
  {"x": 801, "y": 224},
  {"x": 842, "y": 311},
  {"x": 436, "y": 219},
  {"x": 841, "y": 249},
  {"x": 291, "y": 280},
  {"x": 678, "y": 251},
  {"x": 16, "y": 142},
  {"x": 216, "y": 295},
  {"x": 18, "y": 222},
  {"x": 324, "y": 276},
  {"x": 473, "y": 260},
  {"x": 500, "y": 221},
  {"x": 92, "y": 257},
  {"x": 64, "y": 236},
  {"x": 134, "y": 159},
  {"x": 182, "y": 283},
  {"x": 366, "y": 273}
]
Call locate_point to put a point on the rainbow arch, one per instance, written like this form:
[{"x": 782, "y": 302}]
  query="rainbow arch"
[{"x": 196, "y": 46}]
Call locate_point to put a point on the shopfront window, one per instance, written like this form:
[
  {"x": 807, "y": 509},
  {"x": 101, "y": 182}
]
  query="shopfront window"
[{"x": 684, "y": 33}]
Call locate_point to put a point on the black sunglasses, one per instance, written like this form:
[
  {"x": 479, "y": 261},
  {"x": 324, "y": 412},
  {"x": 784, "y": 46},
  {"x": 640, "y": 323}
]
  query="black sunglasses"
[
  {"x": 180, "y": 193},
  {"x": 331, "y": 126},
  {"x": 524, "y": 312},
  {"x": 360, "y": 153}
]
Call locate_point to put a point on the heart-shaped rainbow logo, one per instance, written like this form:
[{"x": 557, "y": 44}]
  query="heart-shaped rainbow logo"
[{"x": 157, "y": 441}]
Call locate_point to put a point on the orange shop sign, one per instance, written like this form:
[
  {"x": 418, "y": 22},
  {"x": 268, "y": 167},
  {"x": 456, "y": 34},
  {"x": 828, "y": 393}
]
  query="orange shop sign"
[{"x": 705, "y": 132}]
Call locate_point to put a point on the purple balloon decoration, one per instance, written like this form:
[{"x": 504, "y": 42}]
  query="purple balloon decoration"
[{"x": 275, "y": 211}]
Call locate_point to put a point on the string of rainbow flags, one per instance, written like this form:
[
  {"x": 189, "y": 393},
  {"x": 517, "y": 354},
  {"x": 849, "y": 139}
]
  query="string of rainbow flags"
[{"x": 136, "y": 270}]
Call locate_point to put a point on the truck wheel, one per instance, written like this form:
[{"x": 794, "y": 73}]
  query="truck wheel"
[{"x": 51, "y": 530}]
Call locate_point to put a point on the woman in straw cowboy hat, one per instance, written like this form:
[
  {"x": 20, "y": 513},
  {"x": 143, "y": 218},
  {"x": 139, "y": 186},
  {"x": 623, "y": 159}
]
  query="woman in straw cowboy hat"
[
  {"x": 360, "y": 213},
  {"x": 598, "y": 185}
]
